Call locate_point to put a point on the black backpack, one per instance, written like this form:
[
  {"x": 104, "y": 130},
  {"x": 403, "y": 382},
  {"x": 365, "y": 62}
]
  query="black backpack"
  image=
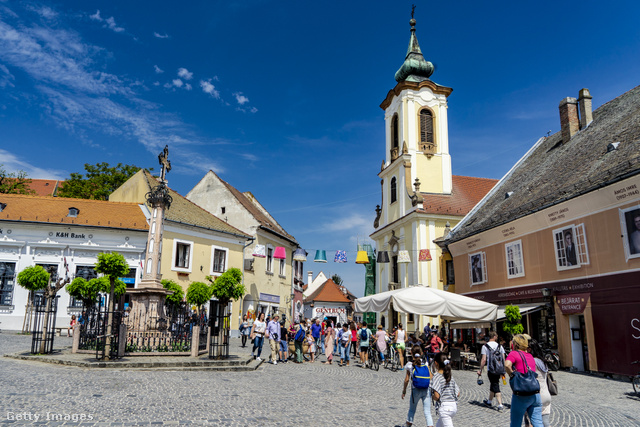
[{"x": 495, "y": 360}]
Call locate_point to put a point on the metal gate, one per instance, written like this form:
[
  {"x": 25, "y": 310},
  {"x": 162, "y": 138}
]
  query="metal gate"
[
  {"x": 44, "y": 326},
  {"x": 219, "y": 322}
]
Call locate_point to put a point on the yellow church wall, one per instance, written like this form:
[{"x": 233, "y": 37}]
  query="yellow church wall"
[{"x": 429, "y": 172}]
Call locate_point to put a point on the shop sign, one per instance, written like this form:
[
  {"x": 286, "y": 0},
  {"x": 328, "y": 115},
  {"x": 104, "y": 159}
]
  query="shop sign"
[
  {"x": 270, "y": 298},
  {"x": 327, "y": 310},
  {"x": 572, "y": 304}
]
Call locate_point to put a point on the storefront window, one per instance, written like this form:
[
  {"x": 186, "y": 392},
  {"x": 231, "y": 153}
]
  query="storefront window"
[{"x": 7, "y": 280}]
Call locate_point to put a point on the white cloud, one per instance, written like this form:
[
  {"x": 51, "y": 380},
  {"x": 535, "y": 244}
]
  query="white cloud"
[
  {"x": 156, "y": 83},
  {"x": 250, "y": 157},
  {"x": 44, "y": 11},
  {"x": 109, "y": 23},
  {"x": 160, "y": 36},
  {"x": 177, "y": 82},
  {"x": 13, "y": 164},
  {"x": 158, "y": 70},
  {"x": 185, "y": 74},
  {"x": 241, "y": 98},
  {"x": 353, "y": 221},
  {"x": 187, "y": 86},
  {"x": 6, "y": 78},
  {"x": 77, "y": 94},
  {"x": 209, "y": 88}
]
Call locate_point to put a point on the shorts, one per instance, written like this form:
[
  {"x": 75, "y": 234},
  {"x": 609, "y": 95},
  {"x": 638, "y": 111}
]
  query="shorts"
[
  {"x": 364, "y": 348},
  {"x": 400, "y": 346},
  {"x": 494, "y": 382},
  {"x": 284, "y": 346}
]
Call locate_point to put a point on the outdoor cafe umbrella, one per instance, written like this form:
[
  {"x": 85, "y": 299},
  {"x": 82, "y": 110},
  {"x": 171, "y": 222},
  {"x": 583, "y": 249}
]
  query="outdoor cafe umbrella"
[{"x": 429, "y": 302}]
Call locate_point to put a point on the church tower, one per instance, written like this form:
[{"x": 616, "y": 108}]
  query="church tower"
[{"x": 417, "y": 137}]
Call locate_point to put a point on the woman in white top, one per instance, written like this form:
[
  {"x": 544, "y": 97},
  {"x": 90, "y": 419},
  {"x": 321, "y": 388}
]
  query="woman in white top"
[
  {"x": 257, "y": 335},
  {"x": 400, "y": 337},
  {"x": 541, "y": 368}
]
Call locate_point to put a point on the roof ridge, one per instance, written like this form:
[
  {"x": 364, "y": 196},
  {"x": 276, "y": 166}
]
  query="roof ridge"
[{"x": 59, "y": 198}]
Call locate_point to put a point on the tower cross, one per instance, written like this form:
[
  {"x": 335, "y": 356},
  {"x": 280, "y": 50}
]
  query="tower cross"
[
  {"x": 413, "y": 9},
  {"x": 163, "y": 158}
]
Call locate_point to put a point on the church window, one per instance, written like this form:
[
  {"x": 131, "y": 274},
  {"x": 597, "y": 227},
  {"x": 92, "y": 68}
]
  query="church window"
[
  {"x": 395, "y": 132},
  {"x": 427, "y": 143},
  {"x": 394, "y": 191}
]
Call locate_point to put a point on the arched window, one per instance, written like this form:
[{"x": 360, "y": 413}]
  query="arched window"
[
  {"x": 427, "y": 143},
  {"x": 395, "y": 132},
  {"x": 394, "y": 191}
]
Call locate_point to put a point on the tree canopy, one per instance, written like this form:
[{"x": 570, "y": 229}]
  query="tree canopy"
[
  {"x": 178, "y": 294},
  {"x": 512, "y": 323},
  {"x": 88, "y": 291},
  {"x": 198, "y": 293},
  {"x": 33, "y": 278},
  {"x": 228, "y": 286},
  {"x": 98, "y": 182},
  {"x": 14, "y": 182},
  {"x": 337, "y": 279}
]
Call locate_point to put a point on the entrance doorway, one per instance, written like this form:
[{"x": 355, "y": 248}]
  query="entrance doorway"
[{"x": 579, "y": 345}]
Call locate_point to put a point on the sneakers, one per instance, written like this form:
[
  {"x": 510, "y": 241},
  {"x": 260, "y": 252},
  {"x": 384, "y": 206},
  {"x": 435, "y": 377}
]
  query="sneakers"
[
  {"x": 258, "y": 358},
  {"x": 487, "y": 403},
  {"x": 500, "y": 408},
  {"x": 273, "y": 362}
]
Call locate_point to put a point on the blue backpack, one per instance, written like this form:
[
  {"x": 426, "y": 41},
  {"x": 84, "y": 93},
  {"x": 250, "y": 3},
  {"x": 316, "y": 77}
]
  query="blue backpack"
[
  {"x": 300, "y": 334},
  {"x": 421, "y": 377}
]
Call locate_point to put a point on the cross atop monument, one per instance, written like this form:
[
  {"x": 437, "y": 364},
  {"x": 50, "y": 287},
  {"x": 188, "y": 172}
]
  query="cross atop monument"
[
  {"x": 163, "y": 158},
  {"x": 413, "y": 9}
]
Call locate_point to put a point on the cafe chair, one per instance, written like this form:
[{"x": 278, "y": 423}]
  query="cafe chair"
[{"x": 455, "y": 358}]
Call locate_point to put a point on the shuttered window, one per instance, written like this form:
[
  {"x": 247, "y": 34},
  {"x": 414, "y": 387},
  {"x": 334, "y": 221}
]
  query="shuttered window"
[{"x": 426, "y": 126}]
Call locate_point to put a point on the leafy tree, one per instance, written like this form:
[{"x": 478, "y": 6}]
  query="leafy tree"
[
  {"x": 99, "y": 181},
  {"x": 512, "y": 324},
  {"x": 34, "y": 278},
  {"x": 113, "y": 266},
  {"x": 198, "y": 293},
  {"x": 228, "y": 286},
  {"x": 14, "y": 182},
  {"x": 88, "y": 291},
  {"x": 178, "y": 294},
  {"x": 337, "y": 279}
]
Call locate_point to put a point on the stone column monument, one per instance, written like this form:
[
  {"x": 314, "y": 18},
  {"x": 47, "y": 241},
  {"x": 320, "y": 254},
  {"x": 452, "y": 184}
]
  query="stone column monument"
[{"x": 147, "y": 300}]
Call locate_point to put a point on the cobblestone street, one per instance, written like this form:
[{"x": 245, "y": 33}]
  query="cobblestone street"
[{"x": 312, "y": 394}]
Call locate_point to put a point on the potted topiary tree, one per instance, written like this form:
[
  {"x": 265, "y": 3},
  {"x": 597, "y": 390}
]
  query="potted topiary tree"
[
  {"x": 33, "y": 279},
  {"x": 512, "y": 324},
  {"x": 113, "y": 266}
]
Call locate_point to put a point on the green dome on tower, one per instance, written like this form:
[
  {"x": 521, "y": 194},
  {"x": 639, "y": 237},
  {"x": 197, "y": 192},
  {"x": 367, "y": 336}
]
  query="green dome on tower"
[{"x": 415, "y": 68}]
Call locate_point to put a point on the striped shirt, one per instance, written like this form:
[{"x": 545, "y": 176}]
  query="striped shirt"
[{"x": 448, "y": 392}]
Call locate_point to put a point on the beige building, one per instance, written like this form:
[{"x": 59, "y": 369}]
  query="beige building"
[
  {"x": 195, "y": 243},
  {"x": 273, "y": 285},
  {"x": 561, "y": 232},
  {"x": 420, "y": 196}
]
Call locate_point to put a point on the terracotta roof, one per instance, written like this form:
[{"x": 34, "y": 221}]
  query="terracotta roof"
[
  {"x": 55, "y": 210},
  {"x": 466, "y": 193},
  {"x": 43, "y": 187},
  {"x": 328, "y": 292},
  {"x": 258, "y": 212},
  {"x": 554, "y": 170},
  {"x": 184, "y": 211}
]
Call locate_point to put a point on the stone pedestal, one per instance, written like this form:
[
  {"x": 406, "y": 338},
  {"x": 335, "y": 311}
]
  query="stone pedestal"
[{"x": 147, "y": 307}]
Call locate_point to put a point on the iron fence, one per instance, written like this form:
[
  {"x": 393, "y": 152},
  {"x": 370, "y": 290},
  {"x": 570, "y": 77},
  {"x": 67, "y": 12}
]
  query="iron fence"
[
  {"x": 44, "y": 324},
  {"x": 168, "y": 330}
]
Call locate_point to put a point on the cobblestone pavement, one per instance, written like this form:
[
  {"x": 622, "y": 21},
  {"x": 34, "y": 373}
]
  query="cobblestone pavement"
[{"x": 311, "y": 394}]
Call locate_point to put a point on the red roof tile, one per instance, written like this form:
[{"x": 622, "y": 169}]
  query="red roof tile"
[
  {"x": 328, "y": 292},
  {"x": 466, "y": 193}
]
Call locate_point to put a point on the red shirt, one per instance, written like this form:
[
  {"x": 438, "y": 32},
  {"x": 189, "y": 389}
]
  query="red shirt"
[{"x": 435, "y": 344}]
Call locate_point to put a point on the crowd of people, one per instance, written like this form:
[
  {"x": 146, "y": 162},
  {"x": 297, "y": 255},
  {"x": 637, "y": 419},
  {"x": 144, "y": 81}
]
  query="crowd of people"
[{"x": 427, "y": 367}]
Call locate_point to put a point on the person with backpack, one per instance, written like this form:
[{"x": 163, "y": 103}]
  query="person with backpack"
[
  {"x": 444, "y": 390},
  {"x": 298, "y": 338},
  {"x": 364, "y": 334},
  {"x": 420, "y": 378},
  {"x": 493, "y": 358},
  {"x": 345, "y": 345}
]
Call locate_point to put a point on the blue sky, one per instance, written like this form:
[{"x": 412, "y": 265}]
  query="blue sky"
[{"x": 281, "y": 98}]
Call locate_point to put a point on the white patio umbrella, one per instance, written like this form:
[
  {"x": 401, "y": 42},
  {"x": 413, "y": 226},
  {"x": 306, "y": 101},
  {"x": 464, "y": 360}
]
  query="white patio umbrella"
[{"x": 430, "y": 302}]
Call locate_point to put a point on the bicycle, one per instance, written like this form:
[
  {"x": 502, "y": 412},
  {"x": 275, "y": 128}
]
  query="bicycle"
[
  {"x": 392, "y": 358},
  {"x": 635, "y": 380},
  {"x": 373, "y": 360}
]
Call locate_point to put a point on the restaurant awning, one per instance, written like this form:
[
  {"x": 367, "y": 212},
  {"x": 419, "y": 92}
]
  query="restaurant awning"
[{"x": 524, "y": 309}]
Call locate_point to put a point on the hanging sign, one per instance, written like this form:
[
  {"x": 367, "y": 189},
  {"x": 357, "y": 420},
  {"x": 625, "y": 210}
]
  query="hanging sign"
[{"x": 572, "y": 304}]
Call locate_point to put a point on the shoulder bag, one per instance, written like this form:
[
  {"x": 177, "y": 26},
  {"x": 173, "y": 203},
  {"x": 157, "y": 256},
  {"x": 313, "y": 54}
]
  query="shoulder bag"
[
  {"x": 524, "y": 384},
  {"x": 552, "y": 385}
]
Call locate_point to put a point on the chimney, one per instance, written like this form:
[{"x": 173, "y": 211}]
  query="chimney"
[
  {"x": 569, "y": 118},
  {"x": 309, "y": 277},
  {"x": 584, "y": 101}
]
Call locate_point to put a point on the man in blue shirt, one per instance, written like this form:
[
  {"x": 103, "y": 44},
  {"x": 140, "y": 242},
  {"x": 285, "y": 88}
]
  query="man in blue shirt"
[
  {"x": 273, "y": 332},
  {"x": 316, "y": 329}
]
